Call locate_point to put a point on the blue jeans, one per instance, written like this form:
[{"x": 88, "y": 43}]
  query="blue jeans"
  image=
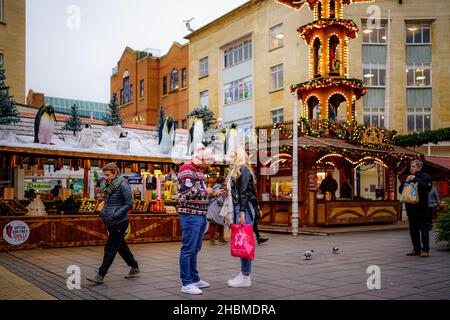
[
  {"x": 246, "y": 264},
  {"x": 192, "y": 232}
]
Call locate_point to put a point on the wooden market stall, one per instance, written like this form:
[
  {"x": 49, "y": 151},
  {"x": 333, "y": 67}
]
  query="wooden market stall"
[{"x": 69, "y": 221}]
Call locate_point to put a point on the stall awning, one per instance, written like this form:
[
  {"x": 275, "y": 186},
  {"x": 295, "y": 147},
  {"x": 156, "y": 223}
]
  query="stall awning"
[{"x": 441, "y": 163}]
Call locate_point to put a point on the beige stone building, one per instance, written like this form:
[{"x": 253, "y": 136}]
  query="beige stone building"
[
  {"x": 243, "y": 64},
  {"x": 12, "y": 46}
]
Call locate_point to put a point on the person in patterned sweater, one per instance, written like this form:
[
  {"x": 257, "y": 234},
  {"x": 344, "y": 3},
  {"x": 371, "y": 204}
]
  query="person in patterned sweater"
[{"x": 192, "y": 207}]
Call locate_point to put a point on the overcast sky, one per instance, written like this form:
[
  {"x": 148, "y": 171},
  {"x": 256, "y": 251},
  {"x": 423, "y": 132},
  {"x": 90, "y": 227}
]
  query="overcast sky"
[{"x": 72, "y": 45}]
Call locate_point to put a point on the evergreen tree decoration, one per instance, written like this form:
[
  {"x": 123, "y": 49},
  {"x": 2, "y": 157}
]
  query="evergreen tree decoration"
[
  {"x": 419, "y": 139},
  {"x": 74, "y": 122},
  {"x": 113, "y": 118},
  {"x": 208, "y": 117},
  {"x": 8, "y": 109},
  {"x": 443, "y": 224},
  {"x": 161, "y": 117}
]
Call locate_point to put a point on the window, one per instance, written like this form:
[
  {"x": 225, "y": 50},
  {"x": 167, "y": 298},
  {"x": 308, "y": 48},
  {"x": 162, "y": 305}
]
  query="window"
[
  {"x": 141, "y": 89},
  {"x": 1, "y": 11},
  {"x": 277, "y": 77},
  {"x": 277, "y": 115},
  {"x": 174, "y": 80},
  {"x": 164, "y": 86},
  {"x": 2, "y": 57},
  {"x": 418, "y": 33},
  {"x": 276, "y": 36},
  {"x": 184, "y": 124},
  {"x": 374, "y": 116},
  {"x": 238, "y": 90},
  {"x": 121, "y": 96},
  {"x": 175, "y": 124},
  {"x": 238, "y": 53},
  {"x": 127, "y": 94},
  {"x": 419, "y": 120},
  {"x": 204, "y": 67},
  {"x": 418, "y": 75},
  {"x": 204, "y": 99},
  {"x": 374, "y": 74},
  {"x": 373, "y": 35},
  {"x": 183, "y": 78}
]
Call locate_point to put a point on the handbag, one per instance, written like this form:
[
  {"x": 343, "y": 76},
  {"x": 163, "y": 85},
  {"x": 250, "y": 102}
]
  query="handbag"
[
  {"x": 409, "y": 193},
  {"x": 242, "y": 241}
]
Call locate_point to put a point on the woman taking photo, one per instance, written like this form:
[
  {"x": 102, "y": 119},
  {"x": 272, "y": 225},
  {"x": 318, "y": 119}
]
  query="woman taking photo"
[{"x": 244, "y": 202}]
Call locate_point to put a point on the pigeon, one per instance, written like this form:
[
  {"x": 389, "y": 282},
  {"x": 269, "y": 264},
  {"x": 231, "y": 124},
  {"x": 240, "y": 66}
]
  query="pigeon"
[
  {"x": 308, "y": 254},
  {"x": 335, "y": 250}
]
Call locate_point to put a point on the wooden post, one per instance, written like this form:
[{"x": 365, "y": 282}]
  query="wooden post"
[
  {"x": 86, "y": 168},
  {"x": 295, "y": 169}
]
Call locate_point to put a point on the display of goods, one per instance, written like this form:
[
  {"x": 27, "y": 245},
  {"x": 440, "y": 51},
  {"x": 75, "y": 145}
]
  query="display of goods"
[
  {"x": 157, "y": 206},
  {"x": 13, "y": 208},
  {"x": 140, "y": 206},
  {"x": 53, "y": 208},
  {"x": 88, "y": 206}
]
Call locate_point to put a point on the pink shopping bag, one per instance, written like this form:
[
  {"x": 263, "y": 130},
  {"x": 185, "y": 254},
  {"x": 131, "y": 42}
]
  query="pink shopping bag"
[{"x": 242, "y": 242}]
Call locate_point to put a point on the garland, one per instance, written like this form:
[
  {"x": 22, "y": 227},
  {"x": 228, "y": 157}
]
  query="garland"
[
  {"x": 419, "y": 139},
  {"x": 306, "y": 30},
  {"x": 329, "y": 82}
]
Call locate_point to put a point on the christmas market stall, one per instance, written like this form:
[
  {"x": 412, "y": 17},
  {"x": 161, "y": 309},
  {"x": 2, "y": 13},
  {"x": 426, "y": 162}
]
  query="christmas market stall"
[
  {"x": 330, "y": 170},
  {"x": 51, "y": 194}
]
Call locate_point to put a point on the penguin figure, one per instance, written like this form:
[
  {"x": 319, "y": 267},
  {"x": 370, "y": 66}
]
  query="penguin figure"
[
  {"x": 123, "y": 145},
  {"x": 167, "y": 135},
  {"x": 44, "y": 125},
  {"x": 195, "y": 136},
  {"x": 231, "y": 140},
  {"x": 86, "y": 137},
  {"x": 335, "y": 250}
]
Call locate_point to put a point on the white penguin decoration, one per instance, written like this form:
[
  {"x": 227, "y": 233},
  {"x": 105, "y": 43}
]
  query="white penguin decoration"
[
  {"x": 123, "y": 145},
  {"x": 44, "y": 125},
  {"x": 86, "y": 137},
  {"x": 195, "y": 136},
  {"x": 231, "y": 140},
  {"x": 167, "y": 134}
]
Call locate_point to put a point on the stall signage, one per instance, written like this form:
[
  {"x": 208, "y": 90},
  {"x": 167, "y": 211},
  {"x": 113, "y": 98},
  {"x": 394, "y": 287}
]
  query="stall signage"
[
  {"x": 39, "y": 186},
  {"x": 16, "y": 232}
]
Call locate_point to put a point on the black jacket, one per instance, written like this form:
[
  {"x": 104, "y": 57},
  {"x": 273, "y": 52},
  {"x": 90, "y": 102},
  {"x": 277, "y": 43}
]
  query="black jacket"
[
  {"x": 424, "y": 185},
  {"x": 117, "y": 205},
  {"x": 243, "y": 190}
]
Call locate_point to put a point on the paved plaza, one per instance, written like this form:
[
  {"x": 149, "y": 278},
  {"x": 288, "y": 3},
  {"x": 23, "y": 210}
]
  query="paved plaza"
[{"x": 280, "y": 271}]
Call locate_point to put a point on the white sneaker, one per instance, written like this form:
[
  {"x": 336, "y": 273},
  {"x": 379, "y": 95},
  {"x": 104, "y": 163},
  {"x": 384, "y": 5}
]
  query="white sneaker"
[
  {"x": 202, "y": 284},
  {"x": 191, "y": 289},
  {"x": 240, "y": 281}
]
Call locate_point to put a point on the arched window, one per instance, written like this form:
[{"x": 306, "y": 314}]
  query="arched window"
[
  {"x": 332, "y": 9},
  {"x": 174, "y": 80},
  {"x": 335, "y": 108},
  {"x": 335, "y": 53},
  {"x": 317, "y": 58},
  {"x": 313, "y": 108}
]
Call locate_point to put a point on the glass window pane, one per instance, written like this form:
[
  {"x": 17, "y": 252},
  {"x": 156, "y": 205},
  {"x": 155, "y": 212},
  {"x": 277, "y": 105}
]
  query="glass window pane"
[
  {"x": 419, "y": 122},
  {"x": 411, "y": 123},
  {"x": 367, "y": 119},
  {"x": 382, "y": 77},
  {"x": 410, "y": 77},
  {"x": 409, "y": 36},
  {"x": 426, "y": 35},
  {"x": 427, "y": 122},
  {"x": 418, "y": 36}
]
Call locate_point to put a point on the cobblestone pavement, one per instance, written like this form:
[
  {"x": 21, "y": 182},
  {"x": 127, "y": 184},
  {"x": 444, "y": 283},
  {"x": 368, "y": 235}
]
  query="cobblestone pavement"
[{"x": 279, "y": 272}]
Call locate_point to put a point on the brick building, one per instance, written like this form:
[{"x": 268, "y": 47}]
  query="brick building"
[{"x": 144, "y": 80}]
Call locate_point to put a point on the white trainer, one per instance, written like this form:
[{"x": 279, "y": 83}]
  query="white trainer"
[
  {"x": 241, "y": 282},
  {"x": 191, "y": 289},
  {"x": 202, "y": 284},
  {"x": 238, "y": 277}
]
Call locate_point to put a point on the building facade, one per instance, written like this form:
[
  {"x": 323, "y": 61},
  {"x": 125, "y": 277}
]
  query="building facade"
[
  {"x": 143, "y": 81},
  {"x": 12, "y": 45},
  {"x": 243, "y": 63},
  {"x": 87, "y": 109}
]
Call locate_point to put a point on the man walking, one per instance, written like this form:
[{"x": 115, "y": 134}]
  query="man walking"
[
  {"x": 418, "y": 214},
  {"x": 118, "y": 201}
]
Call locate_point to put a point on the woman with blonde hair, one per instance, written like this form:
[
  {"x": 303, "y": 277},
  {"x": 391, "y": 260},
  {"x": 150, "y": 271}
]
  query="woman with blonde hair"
[{"x": 242, "y": 182}]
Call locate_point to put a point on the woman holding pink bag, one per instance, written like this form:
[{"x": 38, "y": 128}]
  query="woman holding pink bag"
[{"x": 245, "y": 205}]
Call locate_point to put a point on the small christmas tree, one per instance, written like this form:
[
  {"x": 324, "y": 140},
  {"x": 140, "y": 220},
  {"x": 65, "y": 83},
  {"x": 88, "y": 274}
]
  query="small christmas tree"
[
  {"x": 113, "y": 118},
  {"x": 443, "y": 223},
  {"x": 8, "y": 108},
  {"x": 74, "y": 122},
  {"x": 208, "y": 117},
  {"x": 161, "y": 117}
]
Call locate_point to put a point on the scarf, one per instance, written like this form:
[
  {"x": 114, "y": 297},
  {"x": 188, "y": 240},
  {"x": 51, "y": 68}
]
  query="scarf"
[{"x": 112, "y": 186}]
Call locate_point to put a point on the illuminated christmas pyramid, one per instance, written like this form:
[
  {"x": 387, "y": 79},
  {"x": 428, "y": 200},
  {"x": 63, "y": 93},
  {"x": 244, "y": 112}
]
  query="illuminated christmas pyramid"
[{"x": 330, "y": 94}]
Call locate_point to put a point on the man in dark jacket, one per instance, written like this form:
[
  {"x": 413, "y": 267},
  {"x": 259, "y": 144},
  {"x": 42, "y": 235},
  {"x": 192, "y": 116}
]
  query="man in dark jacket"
[
  {"x": 329, "y": 185},
  {"x": 118, "y": 201},
  {"x": 418, "y": 214}
]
